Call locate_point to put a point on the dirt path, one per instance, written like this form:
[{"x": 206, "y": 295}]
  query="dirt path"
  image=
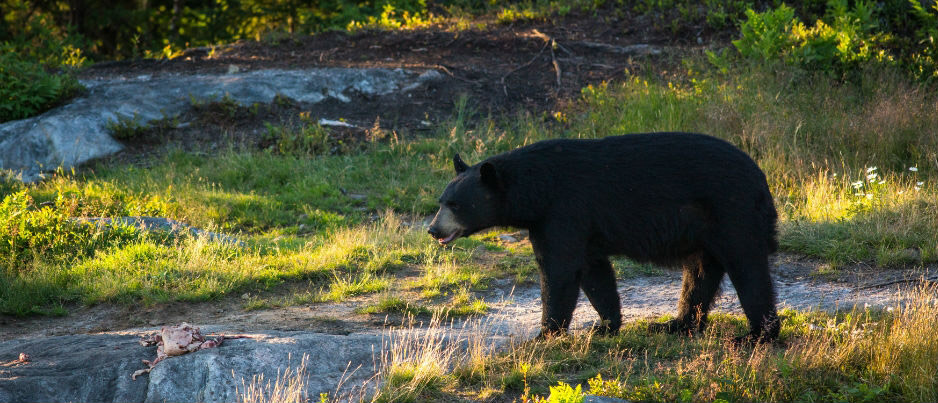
[{"x": 514, "y": 309}]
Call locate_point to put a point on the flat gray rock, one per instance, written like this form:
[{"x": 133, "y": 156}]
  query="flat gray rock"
[
  {"x": 144, "y": 223},
  {"x": 98, "y": 367},
  {"x": 77, "y": 132}
]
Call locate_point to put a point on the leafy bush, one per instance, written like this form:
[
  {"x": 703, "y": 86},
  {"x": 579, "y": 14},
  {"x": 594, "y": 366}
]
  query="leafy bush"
[
  {"x": 160, "y": 28},
  {"x": 28, "y": 89},
  {"x": 766, "y": 35},
  {"x": 36, "y": 35},
  {"x": 846, "y": 37},
  {"x": 838, "y": 46},
  {"x": 389, "y": 19},
  {"x": 125, "y": 127}
]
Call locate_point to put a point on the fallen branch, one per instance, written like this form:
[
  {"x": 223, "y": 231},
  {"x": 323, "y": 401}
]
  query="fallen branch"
[
  {"x": 446, "y": 70},
  {"x": 893, "y": 282},
  {"x": 638, "y": 49},
  {"x": 553, "y": 58},
  {"x": 505, "y": 86}
]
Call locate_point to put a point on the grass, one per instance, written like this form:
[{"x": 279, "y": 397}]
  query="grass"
[
  {"x": 859, "y": 355},
  {"x": 866, "y": 194},
  {"x": 288, "y": 387}
]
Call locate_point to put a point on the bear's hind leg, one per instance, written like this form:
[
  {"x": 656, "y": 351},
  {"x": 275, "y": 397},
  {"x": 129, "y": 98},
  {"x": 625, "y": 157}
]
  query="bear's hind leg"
[
  {"x": 599, "y": 284},
  {"x": 750, "y": 276},
  {"x": 700, "y": 285}
]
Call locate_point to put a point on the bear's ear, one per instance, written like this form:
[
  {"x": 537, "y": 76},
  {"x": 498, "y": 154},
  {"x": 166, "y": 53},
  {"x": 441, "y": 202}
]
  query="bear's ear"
[
  {"x": 459, "y": 165},
  {"x": 490, "y": 175}
]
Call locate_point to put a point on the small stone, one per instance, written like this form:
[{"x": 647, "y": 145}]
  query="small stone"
[
  {"x": 232, "y": 69},
  {"x": 507, "y": 238}
]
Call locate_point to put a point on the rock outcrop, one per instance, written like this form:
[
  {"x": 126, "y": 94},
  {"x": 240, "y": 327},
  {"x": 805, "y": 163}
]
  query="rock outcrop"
[
  {"x": 77, "y": 132},
  {"x": 98, "y": 367}
]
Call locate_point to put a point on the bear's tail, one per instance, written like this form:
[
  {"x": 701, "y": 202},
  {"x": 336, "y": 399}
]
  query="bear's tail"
[{"x": 766, "y": 208}]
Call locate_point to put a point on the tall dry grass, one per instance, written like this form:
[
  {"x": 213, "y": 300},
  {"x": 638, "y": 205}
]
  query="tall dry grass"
[{"x": 288, "y": 387}]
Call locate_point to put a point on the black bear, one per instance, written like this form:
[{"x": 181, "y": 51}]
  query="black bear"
[{"x": 675, "y": 199}]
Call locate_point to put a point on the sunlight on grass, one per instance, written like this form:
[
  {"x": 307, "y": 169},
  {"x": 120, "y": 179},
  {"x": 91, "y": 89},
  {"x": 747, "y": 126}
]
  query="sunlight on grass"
[
  {"x": 344, "y": 287},
  {"x": 441, "y": 277},
  {"x": 855, "y": 355},
  {"x": 348, "y": 262},
  {"x": 289, "y": 386},
  {"x": 417, "y": 363}
]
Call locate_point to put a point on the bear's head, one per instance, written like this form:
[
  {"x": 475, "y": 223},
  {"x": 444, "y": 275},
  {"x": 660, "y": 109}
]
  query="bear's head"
[{"x": 469, "y": 204}]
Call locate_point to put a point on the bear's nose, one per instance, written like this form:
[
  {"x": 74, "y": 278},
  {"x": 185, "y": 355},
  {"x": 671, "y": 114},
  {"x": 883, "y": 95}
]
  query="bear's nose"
[{"x": 434, "y": 233}]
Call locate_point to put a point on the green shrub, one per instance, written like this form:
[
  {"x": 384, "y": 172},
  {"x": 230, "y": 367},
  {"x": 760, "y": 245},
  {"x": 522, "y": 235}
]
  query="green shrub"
[
  {"x": 125, "y": 127},
  {"x": 766, "y": 35},
  {"x": 846, "y": 37},
  {"x": 838, "y": 46},
  {"x": 28, "y": 89},
  {"x": 923, "y": 59}
]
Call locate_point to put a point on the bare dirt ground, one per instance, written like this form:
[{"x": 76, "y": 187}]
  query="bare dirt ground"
[{"x": 504, "y": 70}]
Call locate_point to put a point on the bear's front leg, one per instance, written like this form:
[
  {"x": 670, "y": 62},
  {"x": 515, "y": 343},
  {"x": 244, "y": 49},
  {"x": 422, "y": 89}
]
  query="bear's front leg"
[{"x": 561, "y": 265}]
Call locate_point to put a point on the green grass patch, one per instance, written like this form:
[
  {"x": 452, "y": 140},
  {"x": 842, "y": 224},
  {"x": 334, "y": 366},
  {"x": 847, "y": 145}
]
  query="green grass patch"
[{"x": 858, "y": 355}]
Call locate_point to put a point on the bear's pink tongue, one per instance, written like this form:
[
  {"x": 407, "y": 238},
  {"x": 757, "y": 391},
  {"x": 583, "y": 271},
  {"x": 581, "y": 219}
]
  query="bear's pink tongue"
[{"x": 444, "y": 241}]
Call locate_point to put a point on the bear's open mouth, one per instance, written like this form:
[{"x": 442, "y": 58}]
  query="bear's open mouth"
[{"x": 450, "y": 238}]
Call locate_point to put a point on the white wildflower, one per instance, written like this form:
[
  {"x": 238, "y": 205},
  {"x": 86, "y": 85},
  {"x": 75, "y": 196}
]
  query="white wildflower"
[
  {"x": 882, "y": 182},
  {"x": 870, "y": 169},
  {"x": 913, "y": 169},
  {"x": 857, "y": 184},
  {"x": 872, "y": 176},
  {"x": 919, "y": 183}
]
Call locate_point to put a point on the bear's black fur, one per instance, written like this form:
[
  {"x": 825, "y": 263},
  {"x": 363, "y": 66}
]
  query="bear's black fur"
[{"x": 677, "y": 199}]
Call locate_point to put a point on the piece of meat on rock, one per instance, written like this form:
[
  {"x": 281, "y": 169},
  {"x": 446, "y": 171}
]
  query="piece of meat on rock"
[{"x": 177, "y": 340}]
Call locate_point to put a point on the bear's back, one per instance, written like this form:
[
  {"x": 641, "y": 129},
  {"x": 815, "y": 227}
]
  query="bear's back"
[{"x": 670, "y": 159}]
